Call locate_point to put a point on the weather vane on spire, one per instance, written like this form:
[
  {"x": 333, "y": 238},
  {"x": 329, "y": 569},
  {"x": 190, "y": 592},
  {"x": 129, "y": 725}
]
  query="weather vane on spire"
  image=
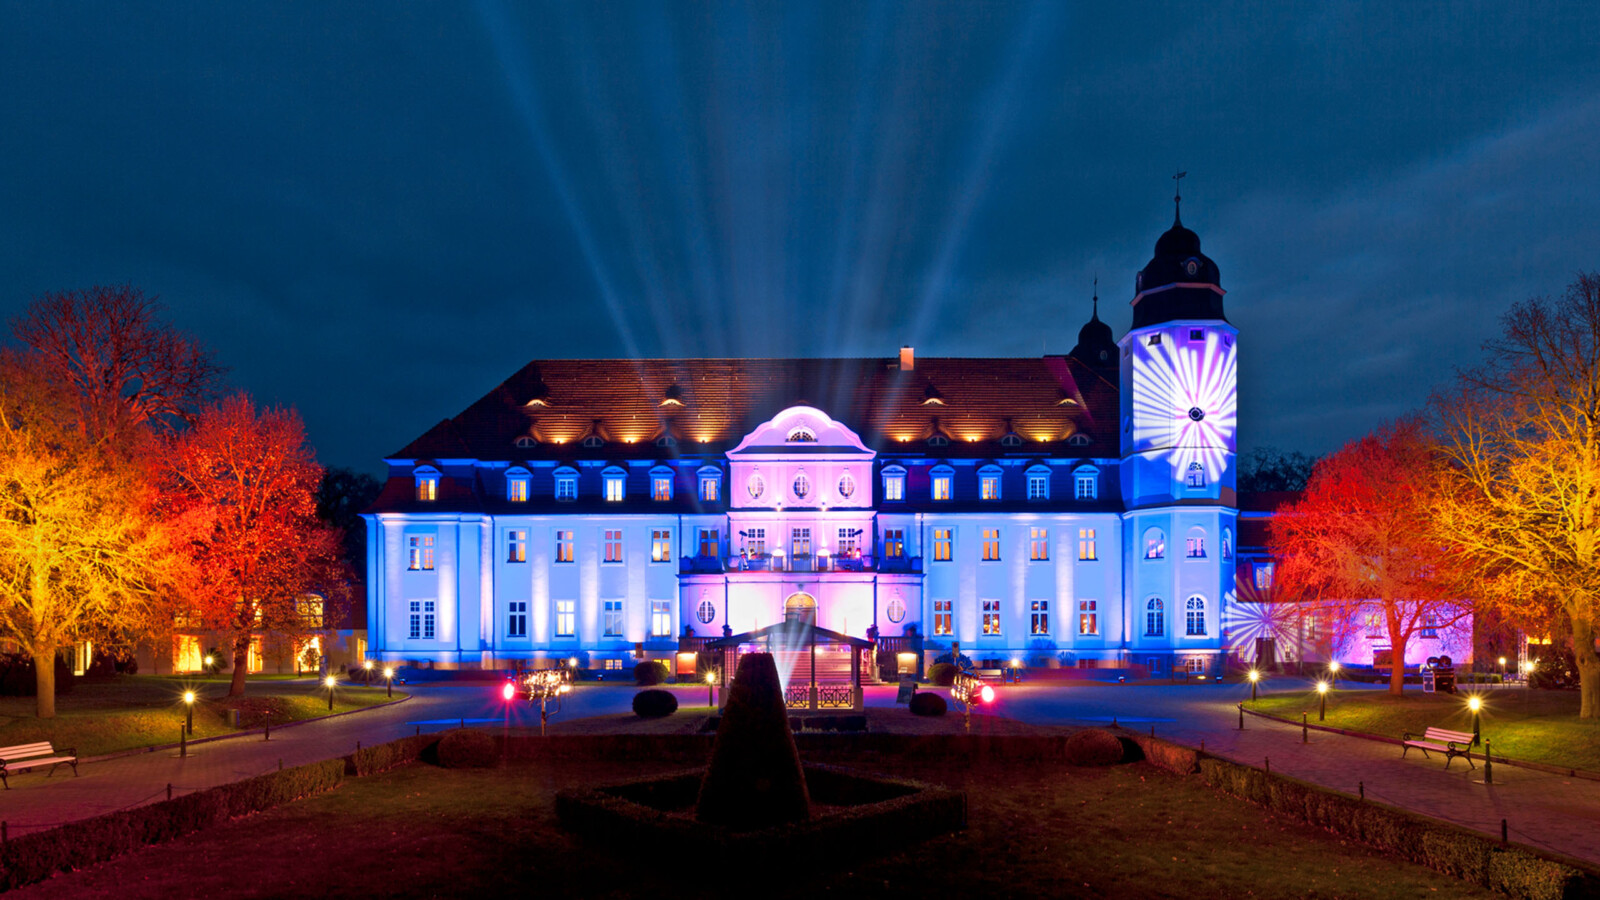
[
  {"x": 1096, "y": 298},
  {"x": 1177, "y": 194}
]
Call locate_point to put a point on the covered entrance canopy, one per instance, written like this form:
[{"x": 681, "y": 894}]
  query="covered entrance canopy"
[{"x": 820, "y": 669}]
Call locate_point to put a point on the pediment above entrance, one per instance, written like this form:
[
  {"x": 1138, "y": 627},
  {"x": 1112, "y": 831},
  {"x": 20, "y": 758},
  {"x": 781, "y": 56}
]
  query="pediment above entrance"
[{"x": 801, "y": 431}]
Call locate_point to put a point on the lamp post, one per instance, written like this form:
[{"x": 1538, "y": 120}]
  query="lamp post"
[
  {"x": 330, "y": 681},
  {"x": 1475, "y": 704},
  {"x": 388, "y": 675},
  {"x": 1333, "y": 670},
  {"x": 366, "y": 666},
  {"x": 188, "y": 724},
  {"x": 211, "y": 661},
  {"x": 1255, "y": 678},
  {"x": 711, "y": 687},
  {"x": 1322, "y": 694},
  {"x": 1502, "y": 671}
]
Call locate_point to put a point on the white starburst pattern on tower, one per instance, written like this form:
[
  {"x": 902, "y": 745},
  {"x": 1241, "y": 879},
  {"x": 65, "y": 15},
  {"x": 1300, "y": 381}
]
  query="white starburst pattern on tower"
[{"x": 1184, "y": 402}]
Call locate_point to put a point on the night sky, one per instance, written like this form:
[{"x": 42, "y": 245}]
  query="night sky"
[{"x": 376, "y": 212}]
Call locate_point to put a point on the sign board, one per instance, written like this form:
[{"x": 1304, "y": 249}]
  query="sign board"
[{"x": 908, "y": 686}]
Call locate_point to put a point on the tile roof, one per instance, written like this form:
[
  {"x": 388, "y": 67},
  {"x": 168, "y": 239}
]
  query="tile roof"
[{"x": 707, "y": 405}]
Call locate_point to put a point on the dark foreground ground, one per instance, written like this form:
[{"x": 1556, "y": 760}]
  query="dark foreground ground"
[{"x": 1036, "y": 830}]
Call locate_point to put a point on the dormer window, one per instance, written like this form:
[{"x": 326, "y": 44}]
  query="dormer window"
[
  {"x": 1011, "y": 439},
  {"x": 427, "y": 483},
  {"x": 940, "y": 485},
  {"x": 847, "y": 486},
  {"x": 802, "y": 486},
  {"x": 660, "y": 483},
  {"x": 524, "y": 442},
  {"x": 666, "y": 440},
  {"x": 1038, "y": 483},
  {"x": 1195, "y": 476},
  {"x": 517, "y": 485},
  {"x": 894, "y": 483},
  {"x": 989, "y": 483},
  {"x": 566, "y": 483},
  {"x": 1086, "y": 483},
  {"x": 710, "y": 484},
  {"x": 938, "y": 440},
  {"x": 615, "y": 484},
  {"x": 1079, "y": 440},
  {"x": 593, "y": 441}
]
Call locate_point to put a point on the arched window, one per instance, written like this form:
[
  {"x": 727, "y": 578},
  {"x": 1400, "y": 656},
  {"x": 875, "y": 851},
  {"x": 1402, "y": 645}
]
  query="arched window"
[
  {"x": 615, "y": 479},
  {"x": 941, "y": 480},
  {"x": 802, "y": 486},
  {"x": 706, "y": 612},
  {"x": 1039, "y": 482},
  {"x": 1155, "y": 544},
  {"x": 566, "y": 483},
  {"x": 1194, "y": 544},
  {"x": 427, "y": 483},
  {"x": 710, "y": 483},
  {"x": 1195, "y": 616},
  {"x": 897, "y": 610},
  {"x": 847, "y": 486},
  {"x": 894, "y": 483},
  {"x": 1227, "y": 543},
  {"x": 517, "y": 484},
  {"x": 989, "y": 483},
  {"x": 1155, "y": 624},
  {"x": 1195, "y": 477},
  {"x": 1086, "y": 483}
]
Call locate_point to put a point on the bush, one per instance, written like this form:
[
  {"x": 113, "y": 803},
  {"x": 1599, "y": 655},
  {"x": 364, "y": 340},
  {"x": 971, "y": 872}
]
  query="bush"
[
  {"x": 942, "y": 674},
  {"x": 927, "y": 703},
  {"x": 754, "y": 779},
  {"x": 650, "y": 672},
  {"x": 654, "y": 704},
  {"x": 463, "y": 748},
  {"x": 1093, "y": 747},
  {"x": 371, "y": 760}
]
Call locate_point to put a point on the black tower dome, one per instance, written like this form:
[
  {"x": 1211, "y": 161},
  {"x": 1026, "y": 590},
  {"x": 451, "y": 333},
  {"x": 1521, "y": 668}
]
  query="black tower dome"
[
  {"x": 1179, "y": 282},
  {"x": 1097, "y": 346}
]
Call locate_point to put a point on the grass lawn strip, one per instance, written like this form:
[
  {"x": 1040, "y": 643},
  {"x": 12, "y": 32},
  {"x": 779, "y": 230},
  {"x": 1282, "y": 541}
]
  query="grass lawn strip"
[
  {"x": 1035, "y": 831},
  {"x": 1530, "y": 725},
  {"x": 130, "y": 712}
]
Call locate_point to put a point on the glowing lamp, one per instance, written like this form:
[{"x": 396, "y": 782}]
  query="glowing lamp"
[
  {"x": 388, "y": 672},
  {"x": 572, "y": 661},
  {"x": 564, "y": 689},
  {"x": 1474, "y": 704},
  {"x": 1016, "y": 664},
  {"x": 367, "y": 665},
  {"x": 1254, "y": 675},
  {"x": 1322, "y": 687},
  {"x": 211, "y": 659},
  {"x": 188, "y": 697},
  {"x": 508, "y": 691},
  {"x": 1333, "y": 666},
  {"x": 1502, "y": 662},
  {"x": 330, "y": 681},
  {"x": 986, "y": 695},
  {"x": 711, "y": 677}
]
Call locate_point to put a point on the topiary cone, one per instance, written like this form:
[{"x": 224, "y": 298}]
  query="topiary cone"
[{"x": 754, "y": 779}]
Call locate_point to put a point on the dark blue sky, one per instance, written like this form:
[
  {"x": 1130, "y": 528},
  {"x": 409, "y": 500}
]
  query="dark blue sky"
[{"x": 375, "y": 212}]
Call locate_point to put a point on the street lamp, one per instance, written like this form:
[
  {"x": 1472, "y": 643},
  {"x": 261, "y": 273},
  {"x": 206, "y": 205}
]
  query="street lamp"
[
  {"x": 1502, "y": 670},
  {"x": 711, "y": 687},
  {"x": 1333, "y": 670},
  {"x": 366, "y": 666},
  {"x": 1255, "y": 678},
  {"x": 388, "y": 675},
  {"x": 1475, "y": 703},
  {"x": 188, "y": 699},
  {"x": 210, "y": 661},
  {"x": 1322, "y": 693},
  {"x": 330, "y": 681}
]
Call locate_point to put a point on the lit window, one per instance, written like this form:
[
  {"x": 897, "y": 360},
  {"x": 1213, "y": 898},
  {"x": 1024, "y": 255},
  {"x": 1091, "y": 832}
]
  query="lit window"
[
  {"x": 1194, "y": 665},
  {"x": 941, "y": 482},
  {"x": 309, "y": 609},
  {"x": 613, "y": 544},
  {"x": 517, "y": 489},
  {"x": 661, "y": 487},
  {"x": 991, "y": 544},
  {"x": 991, "y": 617},
  {"x": 710, "y": 485},
  {"x": 422, "y": 620},
  {"x": 566, "y": 484},
  {"x": 1086, "y": 545},
  {"x": 1155, "y": 624},
  {"x": 615, "y": 665},
  {"x": 847, "y": 486},
  {"x": 660, "y": 545},
  {"x": 1195, "y": 617},
  {"x": 897, "y": 610},
  {"x": 1195, "y": 477},
  {"x": 660, "y": 618},
  {"x": 941, "y": 544},
  {"x": 800, "y": 542},
  {"x": 1086, "y": 484},
  {"x": 517, "y": 545},
  {"x": 894, "y": 542},
  {"x": 755, "y": 542},
  {"x": 1039, "y": 617},
  {"x": 1155, "y": 544},
  {"x": 613, "y": 621},
  {"x": 894, "y": 483},
  {"x": 1194, "y": 546},
  {"x": 802, "y": 486},
  {"x": 427, "y": 484},
  {"x": 421, "y": 555},
  {"x": 755, "y": 486},
  {"x": 566, "y": 618},
  {"x": 1039, "y": 484},
  {"x": 1227, "y": 543},
  {"x": 1088, "y": 617},
  {"x": 1038, "y": 544},
  {"x": 989, "y": 484},
  {"x": 616, "y": 485},
  {"x": 564, "y": 546},
  {"x": 941, "y": 617},
  {"x": 706, "y": 612},
  {"x": 517, "y": 618},
  {"x": 848, "y": 546},
  {"x": 1263, "y": 576},
  {"x": 710, "y": 543}
]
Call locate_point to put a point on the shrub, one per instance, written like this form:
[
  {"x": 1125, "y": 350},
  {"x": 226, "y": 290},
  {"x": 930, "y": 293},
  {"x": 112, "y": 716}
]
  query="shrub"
[
  {"x": 942, "y": 674},
  {"x": 371, "y": 760},
  {"x": 1093, "y": 747},
  {"x": 654, "y": 704},
  {"x": 927, "y": 703},
  {"x": 650, "y": 672},
  {"x": 754, "y": 779},
  {"x": 463, "y": 748}
]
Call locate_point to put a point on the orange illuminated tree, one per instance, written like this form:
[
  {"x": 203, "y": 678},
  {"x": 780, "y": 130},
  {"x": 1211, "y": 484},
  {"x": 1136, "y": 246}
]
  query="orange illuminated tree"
[
  {"x": 240, "y": 487},
  {"x": 1361, "y": 539},
  {"x": 1523, "y": 438}
]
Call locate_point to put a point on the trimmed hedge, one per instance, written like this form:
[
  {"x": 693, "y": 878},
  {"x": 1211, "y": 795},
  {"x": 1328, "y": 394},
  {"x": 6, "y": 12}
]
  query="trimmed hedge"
[
  {"x": 1093, "y": 747},
  {"x": 464, "y": 748},
  {"x": 654, "y": 704},
  {"x": 927, "y": 703},
  {"x": 1175, "y": 758},
  {"x": 372, "y": 760},
  {"x": 649, "y": 673},
  {"x": 35, "y": 857},
  {"x": 942, "y": 674}
]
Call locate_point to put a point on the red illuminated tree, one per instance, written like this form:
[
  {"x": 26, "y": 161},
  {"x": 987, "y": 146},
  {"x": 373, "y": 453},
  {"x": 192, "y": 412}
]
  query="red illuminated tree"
[
  {"x": 241, "y": 486},
  {"x": 1362, "y": 538}
]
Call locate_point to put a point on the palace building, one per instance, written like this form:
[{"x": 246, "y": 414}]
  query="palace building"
[{"x": 1068, "y": 510}]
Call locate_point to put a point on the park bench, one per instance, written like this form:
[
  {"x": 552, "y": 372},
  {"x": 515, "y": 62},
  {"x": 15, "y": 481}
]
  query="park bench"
[
  {"x": 1451, "y": 743},
  {"x": 31, "y": 756}
]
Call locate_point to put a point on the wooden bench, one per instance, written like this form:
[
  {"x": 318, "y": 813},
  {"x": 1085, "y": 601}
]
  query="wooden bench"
[
  {"x": 1451, "y": 743},
  {"x": 31, "y": 756}
]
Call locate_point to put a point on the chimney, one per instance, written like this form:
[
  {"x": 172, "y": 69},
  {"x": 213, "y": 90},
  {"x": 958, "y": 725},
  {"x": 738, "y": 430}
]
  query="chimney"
[{"x": 908, "y": 359}]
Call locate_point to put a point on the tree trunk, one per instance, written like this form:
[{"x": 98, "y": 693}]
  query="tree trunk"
[
  {"x": 1588, "y": 667},
  {"x": 1397, "y": 676},
  {"x": 44, "y": 677},
  {"x": 241, "y": 664}
]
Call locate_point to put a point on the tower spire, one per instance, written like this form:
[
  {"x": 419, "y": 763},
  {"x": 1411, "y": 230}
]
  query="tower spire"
[
  {"x": 1095, "y": 314},
  {"x": 1177, "y": 197}
]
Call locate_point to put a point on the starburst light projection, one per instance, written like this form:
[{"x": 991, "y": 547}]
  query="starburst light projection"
[{"x": 1184, "y": 402}]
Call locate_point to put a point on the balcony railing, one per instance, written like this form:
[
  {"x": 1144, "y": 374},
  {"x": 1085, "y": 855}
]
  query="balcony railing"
[{"x": 818, "y": 563}]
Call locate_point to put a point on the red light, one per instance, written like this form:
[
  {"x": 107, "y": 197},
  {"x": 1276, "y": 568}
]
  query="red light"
[
  {"x": 509, "y": 691},
  {"x": 987, "y": 694}
]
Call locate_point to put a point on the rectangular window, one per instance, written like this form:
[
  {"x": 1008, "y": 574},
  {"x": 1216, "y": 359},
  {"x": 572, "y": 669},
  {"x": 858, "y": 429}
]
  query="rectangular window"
[
  {"x": 660, "y": 545},
  {"x": 991, "y": 617},
  {"x": 941, "y": 487},
  {"x": 709, "y": 491},
  {"x": 1155, "y": 546},
  {"x": 660, "y": 618},
  {"x": 1263, "y": 576},
  {"x": 894, "y": 487},
  {"x": 991, "y": 544},
  {"x": 941, "y": 544},
  {"x": 517, "y": 490},
  {"x": 613, "y": 618},
  {"x": 894, "y": 543},
  {"x": 422, "y": 620},
  {"x": 309, "y": 608},
  {"x": 1195, "y": 547},
  {"x": 848, "y": 546},
  {"x": 989, "y": 487},
  {"x": 800, "y": 543},
  {"x": 755, "y": 542},
  {"x": 566, "y": 618},
  {"x": 661, "y": 487},
  {"x": 517, "y": 618},
  {"x": 564, "y": 546},
  {"x": 428, "y": 489},
  {"x": 941, "y": 617},
  {"x": 613, "y": 543},
  {"x": 1088, "y": 617},
  {"x": 422, "y": 553},
  {"x": 1038, "y": 487},
  {"x": 710, "y": 543},
  {"x": 1086, "y": 546},
  {"x": 1039, "y": 617},
  {"x": 517, "y": 545},
  {"x": 614, "y": 489},
  {"x": 1430, "y": 627},
  {"x": 1085, "y": 487},
  {"x": 1038, "y": 544},
  {"x": 566, "y": 488},
  {"x": 613, "y": 665}
]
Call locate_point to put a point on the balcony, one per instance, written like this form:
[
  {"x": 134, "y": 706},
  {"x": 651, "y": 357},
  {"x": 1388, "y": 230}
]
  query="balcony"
[{"x": 819, "y": 563}]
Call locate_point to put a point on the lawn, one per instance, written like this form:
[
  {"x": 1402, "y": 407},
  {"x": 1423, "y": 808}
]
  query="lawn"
[
  {"x": 1035, "y": 831},
  {"x": 127, "y": 711},
  {"x": 1533, "y": 725}
]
